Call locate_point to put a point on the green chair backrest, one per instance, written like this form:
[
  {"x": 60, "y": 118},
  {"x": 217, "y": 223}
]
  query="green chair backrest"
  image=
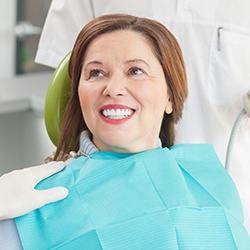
[{"x": 56, "y": 100}]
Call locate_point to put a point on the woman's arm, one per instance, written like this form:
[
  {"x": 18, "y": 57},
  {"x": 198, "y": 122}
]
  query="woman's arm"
[{"x": 9, "y": 237}]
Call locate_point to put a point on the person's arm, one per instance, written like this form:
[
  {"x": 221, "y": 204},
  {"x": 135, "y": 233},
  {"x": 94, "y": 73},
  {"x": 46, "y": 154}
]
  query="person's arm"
[
  {"x": 63, "y": 22},
  {"x": 18, "y": 195},
  {"x": 9, "y": 237}
]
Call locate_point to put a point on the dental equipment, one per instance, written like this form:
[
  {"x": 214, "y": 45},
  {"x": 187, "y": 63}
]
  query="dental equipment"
[{"x": 244, "y": 111}]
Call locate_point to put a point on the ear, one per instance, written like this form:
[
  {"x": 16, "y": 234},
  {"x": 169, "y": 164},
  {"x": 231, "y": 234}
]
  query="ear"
[{"x": 169, "y": 106}]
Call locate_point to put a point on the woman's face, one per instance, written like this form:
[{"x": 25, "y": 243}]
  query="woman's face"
[{"x": 123, "y": 92}]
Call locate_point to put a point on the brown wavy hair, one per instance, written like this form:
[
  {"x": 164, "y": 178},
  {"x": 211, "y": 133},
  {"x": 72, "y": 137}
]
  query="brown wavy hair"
[{"x": 166, "y": 50}]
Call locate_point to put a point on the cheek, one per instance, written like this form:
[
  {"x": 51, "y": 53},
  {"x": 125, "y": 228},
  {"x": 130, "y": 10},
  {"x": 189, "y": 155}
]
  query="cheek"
[
  {"x": 80, "y": 95},
  {"x": 83, "y": 97},
  {"x": 88, "y": 98},
  {"x": 160, "y": 96}
]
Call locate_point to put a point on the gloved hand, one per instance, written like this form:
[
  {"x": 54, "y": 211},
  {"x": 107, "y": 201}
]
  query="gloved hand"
[{"x": 17, "y": 193}]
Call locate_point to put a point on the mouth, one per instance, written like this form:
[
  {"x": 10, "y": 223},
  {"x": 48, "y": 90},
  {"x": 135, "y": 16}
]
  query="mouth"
[{"x": 117, "y": 114}]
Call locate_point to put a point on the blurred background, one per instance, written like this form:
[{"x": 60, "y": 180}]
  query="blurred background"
[{"x": 23, "y": 84}]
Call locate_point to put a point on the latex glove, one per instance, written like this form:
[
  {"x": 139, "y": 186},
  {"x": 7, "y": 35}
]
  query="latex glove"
[{"x": 17, "y": 193}]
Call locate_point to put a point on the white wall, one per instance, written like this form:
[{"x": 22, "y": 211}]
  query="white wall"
[
  {"x": 7, "y": 38},
  {"x": 23, "y": 138},
  {"x": 24, "y": 141}
]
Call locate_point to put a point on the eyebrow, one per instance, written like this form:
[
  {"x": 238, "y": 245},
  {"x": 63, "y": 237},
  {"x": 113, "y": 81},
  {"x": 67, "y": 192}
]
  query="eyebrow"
[
  {"x": 92, "y": 62},
  {"x": 137, "y": 60},
  {"x": 126, "y": 62}
]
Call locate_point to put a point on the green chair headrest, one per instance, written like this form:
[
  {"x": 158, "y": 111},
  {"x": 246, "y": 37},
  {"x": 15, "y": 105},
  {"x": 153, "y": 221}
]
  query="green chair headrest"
[{"x": 56, "y": 100}]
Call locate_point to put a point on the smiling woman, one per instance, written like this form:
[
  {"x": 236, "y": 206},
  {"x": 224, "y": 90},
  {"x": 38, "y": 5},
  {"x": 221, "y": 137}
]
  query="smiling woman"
[
  {"x": 123, "y": 78},
  {"x": 122, "y": 61},
  {"x": 129, "y": 186}
]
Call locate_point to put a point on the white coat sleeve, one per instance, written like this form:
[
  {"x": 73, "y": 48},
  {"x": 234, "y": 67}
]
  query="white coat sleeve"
[{"x": 62, "y": 25}]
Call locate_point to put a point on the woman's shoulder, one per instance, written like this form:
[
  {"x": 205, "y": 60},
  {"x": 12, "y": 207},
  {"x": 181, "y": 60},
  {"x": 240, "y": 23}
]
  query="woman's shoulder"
[
  {"x": 202, "y": 163},
  {"x": 194, "y": 151},
  {"x": 197, "y": 157}
]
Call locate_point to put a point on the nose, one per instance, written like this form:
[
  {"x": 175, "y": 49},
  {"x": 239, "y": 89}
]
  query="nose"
[{"x": 115, "y": 87}]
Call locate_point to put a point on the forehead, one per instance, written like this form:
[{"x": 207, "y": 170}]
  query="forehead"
[{"x": 122, "y": 42}]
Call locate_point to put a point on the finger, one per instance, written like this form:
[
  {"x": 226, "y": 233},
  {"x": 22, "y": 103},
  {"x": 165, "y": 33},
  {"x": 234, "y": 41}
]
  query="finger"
[
  {"x": 46, "y": 170},
  {"x": 52, "y": 195}
]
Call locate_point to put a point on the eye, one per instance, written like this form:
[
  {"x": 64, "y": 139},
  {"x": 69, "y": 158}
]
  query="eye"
[
  {"x": 135, "y": 71},
  {"x": 95, "y": 73}
]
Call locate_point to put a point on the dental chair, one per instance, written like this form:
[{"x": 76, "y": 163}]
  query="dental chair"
[{"x": 57, "y": 98}]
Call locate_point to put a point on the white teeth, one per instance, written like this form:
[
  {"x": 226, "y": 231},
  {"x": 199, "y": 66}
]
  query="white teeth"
[{"x": 117, "y": 113}]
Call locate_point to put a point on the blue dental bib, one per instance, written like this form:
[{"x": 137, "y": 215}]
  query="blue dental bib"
[{"x": 177, "y": 198}]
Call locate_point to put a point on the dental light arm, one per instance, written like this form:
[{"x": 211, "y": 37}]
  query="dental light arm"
[{"x": 244, "y": 111}]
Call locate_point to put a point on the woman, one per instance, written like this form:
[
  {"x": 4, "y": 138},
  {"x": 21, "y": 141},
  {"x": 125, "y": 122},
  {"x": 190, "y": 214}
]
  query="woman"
[
  {"x": 129, "y": 187},
  {"x": 174, "y": 73}
]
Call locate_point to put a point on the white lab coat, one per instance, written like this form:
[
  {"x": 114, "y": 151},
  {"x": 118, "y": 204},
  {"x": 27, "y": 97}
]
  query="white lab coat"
[{"x": 217, "y": 61}]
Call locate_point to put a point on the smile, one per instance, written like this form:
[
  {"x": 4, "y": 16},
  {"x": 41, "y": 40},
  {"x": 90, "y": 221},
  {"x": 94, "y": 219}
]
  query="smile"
[{"x": 117, "y": 114}]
